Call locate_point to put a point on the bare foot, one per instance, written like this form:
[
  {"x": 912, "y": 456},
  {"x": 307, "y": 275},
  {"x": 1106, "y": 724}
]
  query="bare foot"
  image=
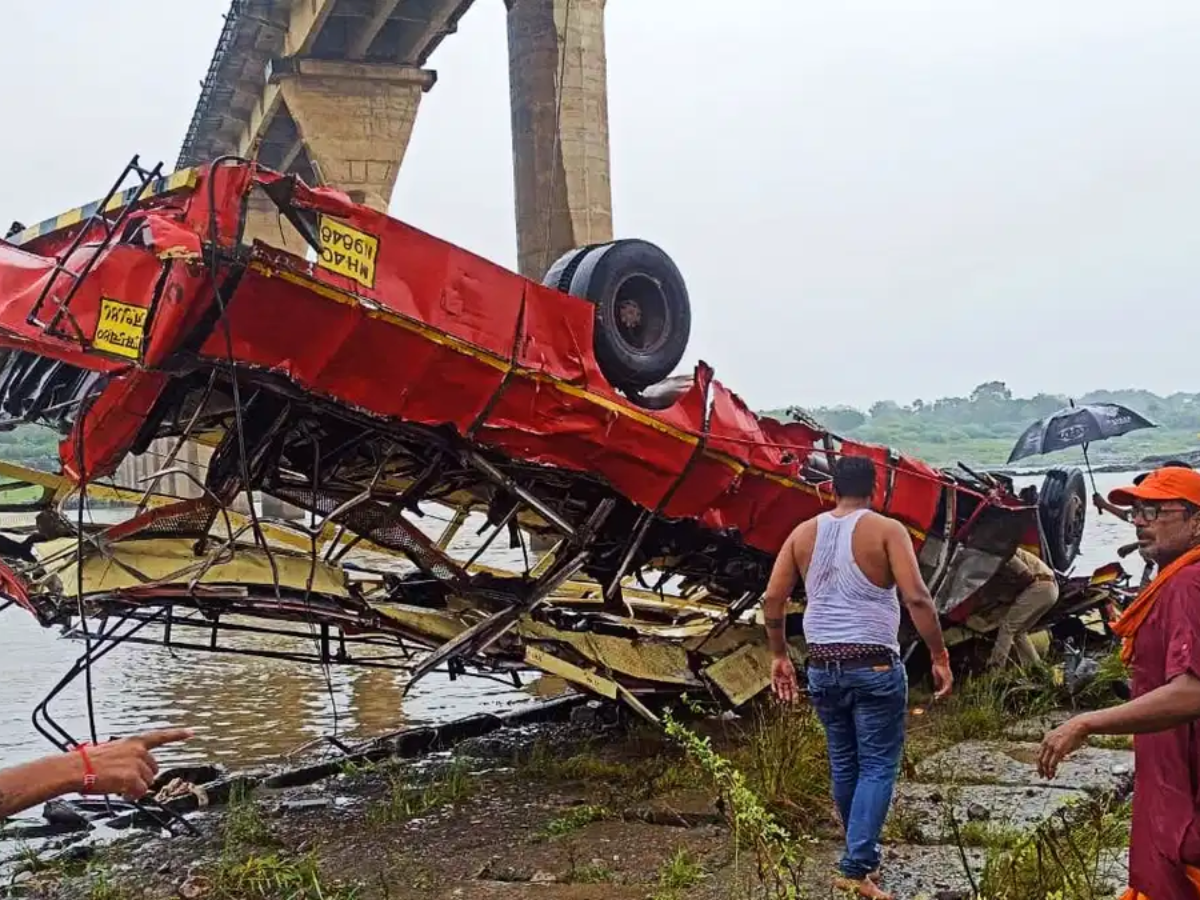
[{"x": 862, "y": 887}]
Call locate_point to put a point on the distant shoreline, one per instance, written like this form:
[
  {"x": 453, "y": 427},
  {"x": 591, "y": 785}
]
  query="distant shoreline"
[{"x": 1144, "y": 464}]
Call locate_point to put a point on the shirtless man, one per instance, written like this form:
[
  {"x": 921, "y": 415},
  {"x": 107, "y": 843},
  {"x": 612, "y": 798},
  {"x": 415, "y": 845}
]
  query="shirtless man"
[{"x": 852, "y": 561}]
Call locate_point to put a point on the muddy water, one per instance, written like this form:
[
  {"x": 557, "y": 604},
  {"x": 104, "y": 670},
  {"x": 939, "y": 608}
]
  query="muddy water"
[
  {"x": 245, "y": 710},
  {"x": 248, "y": 711}
]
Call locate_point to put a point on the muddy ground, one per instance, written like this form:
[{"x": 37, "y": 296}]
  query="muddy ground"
[{"x": 589, "y": 810}]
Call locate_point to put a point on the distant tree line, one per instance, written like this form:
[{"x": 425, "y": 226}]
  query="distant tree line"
[
  {"x": 31, "y": 445},
  {"x": 981, "y": 427},
  {"x": 985, "y": 424}
]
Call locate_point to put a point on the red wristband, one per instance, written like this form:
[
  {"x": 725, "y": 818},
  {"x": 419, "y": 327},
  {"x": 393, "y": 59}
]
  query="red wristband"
[{"x": 89, "y": 774}]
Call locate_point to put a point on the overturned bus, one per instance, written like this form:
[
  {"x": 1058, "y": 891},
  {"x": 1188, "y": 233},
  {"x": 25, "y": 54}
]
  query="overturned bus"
[{"x": 388, "y": 372}]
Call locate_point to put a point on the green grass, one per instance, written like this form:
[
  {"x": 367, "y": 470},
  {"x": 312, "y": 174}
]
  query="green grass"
[
  {"x": 594, "y": 872},
  {"x": 577, "y": 818},
  {"x": 782, "y": 754},
  {"x": 243, "y": 824},
  {"x": 984, "y": 706},
  {"x": 679, "y": 873},
  {"x": 103, "y": 888},
  {"x": 275, "y": 877},
  {"x": 405, "y": 799},
  {"x": 27, "y": 493},
  {"x": 651, "y": 767},
  {"x": 989, "y": 834},
  {"x": 1065, "y": 858}
]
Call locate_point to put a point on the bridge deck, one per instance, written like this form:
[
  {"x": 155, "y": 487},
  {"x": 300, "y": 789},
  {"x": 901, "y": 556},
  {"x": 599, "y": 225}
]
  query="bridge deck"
[{"x": 256, "y": 31}]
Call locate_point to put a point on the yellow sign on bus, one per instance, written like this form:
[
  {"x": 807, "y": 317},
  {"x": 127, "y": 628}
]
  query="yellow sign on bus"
[
  {"x": 121, "y": 328},
  {"x": 348, "y": 251}
]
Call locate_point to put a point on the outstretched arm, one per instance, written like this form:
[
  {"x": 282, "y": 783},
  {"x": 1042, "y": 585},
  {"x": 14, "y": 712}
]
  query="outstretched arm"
[
  {"x": 36, "y": 782},
  {"x": 123, "y": 767},
  {"x": 1103, "y": 506}
]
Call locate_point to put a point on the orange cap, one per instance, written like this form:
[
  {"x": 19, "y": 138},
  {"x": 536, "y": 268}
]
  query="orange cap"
[{"x": 1161, "y": 484}]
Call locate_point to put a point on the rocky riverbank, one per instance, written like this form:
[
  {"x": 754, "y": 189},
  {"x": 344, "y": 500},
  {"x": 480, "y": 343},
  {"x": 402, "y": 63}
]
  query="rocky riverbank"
[
  {"x": 599, "y": 807},
  {"x": 1142, "y": 464}
]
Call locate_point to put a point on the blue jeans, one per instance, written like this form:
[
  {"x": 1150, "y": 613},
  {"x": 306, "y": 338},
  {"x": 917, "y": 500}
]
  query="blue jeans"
[{"x": 864, "y": 713}]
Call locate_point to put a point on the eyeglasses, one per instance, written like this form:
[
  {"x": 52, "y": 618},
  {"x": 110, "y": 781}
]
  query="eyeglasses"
[{"x": 1148, "y": 512}]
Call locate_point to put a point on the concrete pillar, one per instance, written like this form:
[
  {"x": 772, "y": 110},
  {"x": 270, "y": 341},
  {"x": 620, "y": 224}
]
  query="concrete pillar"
[
  {"x": 264, "y": 223},
  {"x": 191, "y": 457},
  {"x": 355, "y": 120},
  {"x": 559, "y": 128},
  {"x": 559, "y": 133}
]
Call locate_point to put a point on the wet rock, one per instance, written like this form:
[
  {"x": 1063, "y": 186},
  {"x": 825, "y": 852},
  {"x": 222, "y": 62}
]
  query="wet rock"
[
  {"x": 690, "y": 809},
  {"x": 1014, "y": 764},
  {"x": 926, "y": 820},
  {"x": 493, "y": 871},
  {"x": 193, "y": 886},
  {"x": 304, "y": 804},
  {"x": 64, "y": 814},
  {"x": 1083, "y": 674},
  {"x": 1113, "y": 868},
  {"x": 586, "y": 715},
  {"x": 77, "y": 853},
  {"x": 202, "y": 774},
  {"x": 1036, "y": 728},
  {"x": 915, "y": 870},
  {"x": 977, "y": 812}
]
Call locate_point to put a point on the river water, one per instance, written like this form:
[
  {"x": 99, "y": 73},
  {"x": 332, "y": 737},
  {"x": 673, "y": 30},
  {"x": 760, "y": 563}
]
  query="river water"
[{"x": 248, "y": 711}]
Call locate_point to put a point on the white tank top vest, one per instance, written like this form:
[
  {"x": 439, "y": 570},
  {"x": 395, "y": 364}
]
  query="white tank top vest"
[{"x": 843, "y": 606}]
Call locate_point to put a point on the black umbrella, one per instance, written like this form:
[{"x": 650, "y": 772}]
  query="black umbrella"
[{"x": 1078, "y": 426}]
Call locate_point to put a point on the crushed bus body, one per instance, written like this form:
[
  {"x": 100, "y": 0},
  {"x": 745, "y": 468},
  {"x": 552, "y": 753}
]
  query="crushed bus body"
[{"x": 391, "y": 372}]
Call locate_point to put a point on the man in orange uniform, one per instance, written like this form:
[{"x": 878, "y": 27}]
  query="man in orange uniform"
[{"x": 1161, "y": 632}]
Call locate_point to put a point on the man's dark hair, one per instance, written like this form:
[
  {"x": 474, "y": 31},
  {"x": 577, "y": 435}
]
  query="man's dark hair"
[{"x": 854, "y": 478}]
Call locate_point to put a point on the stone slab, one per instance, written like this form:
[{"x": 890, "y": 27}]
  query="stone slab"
[
  {"x": 923, "y": 873},
  {"x": 497, "y": 890},
  {"x": 1033, "y": 730},
  {"x": 1090, "y": 769},
  {"x": 920, "y": 812},
  {"x": 915, "y": 872}
]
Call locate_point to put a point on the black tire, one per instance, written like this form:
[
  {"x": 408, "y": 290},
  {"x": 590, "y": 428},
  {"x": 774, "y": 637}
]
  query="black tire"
[
  {"x": 562, "y": 270},
  {"x": 643, "y": 315},
  {"x": 1062, "y": 508}
]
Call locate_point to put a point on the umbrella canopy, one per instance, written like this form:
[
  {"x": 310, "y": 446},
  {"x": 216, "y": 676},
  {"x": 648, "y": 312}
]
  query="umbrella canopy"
[{"x": 1077, "y": 426}]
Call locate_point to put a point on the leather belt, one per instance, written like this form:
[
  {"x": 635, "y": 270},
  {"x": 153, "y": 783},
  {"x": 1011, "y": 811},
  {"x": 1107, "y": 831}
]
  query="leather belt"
[{"x": 874, "y": 661}]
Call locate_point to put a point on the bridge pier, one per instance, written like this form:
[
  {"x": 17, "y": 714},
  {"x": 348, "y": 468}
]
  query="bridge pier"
[
  {"x": 335, "y": 99},
  {"x": 558, "y": 83},
  {"x": 352, "y": 123},
  {"x": 354, "y": 119},
  {"x": 558, "y": 87}
]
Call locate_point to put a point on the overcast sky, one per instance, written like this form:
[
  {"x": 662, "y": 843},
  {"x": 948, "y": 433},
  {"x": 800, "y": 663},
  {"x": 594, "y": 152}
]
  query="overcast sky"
[{"x": 887, "y": 199}]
